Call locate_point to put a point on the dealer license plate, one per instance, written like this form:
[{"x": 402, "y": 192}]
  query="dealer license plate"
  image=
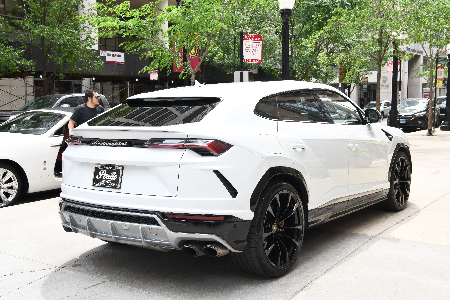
[
  {"x": 402, "y": 121},
  {"x": 108, "y": 176}
]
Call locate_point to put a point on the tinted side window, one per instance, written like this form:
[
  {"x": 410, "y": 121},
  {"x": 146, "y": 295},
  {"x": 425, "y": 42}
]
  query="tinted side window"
[
  {"x": 301, "y": 106},
  {"x": 340, "y": 109},
  {"x": 267, "y": 108}
]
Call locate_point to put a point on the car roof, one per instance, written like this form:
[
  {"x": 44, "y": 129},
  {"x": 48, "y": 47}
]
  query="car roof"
[{"x": 254, "y": 90}]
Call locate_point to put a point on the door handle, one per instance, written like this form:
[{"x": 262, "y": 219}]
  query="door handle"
[
  {"x": 55, "y": 145},
  {"x": 353, "y": 147},
  {"x": 298, "y": 146}
]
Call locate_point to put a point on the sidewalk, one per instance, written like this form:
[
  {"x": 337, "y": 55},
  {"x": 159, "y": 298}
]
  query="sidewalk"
[{"x": 406, "y": 256}]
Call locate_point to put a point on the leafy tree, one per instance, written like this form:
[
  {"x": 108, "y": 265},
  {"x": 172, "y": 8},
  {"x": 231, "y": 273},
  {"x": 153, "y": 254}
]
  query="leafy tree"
[
  {"x": 315, "y": 40},
  {"x": 193, "y": 25},
  {"x": 430, "y": 28},
  {"x": 368, "y": 29},
  {"x": 62, "y": 36},
  {"x": 11, "y": 58},
  {"x": 251, "y": 17}
]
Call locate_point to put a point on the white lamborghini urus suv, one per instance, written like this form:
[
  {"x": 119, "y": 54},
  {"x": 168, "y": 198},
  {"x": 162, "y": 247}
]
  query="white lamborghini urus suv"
[{"x": 239, "y": 168}]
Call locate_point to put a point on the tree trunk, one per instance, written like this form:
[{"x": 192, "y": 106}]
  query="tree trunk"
[{"x": 378, "y": 83}]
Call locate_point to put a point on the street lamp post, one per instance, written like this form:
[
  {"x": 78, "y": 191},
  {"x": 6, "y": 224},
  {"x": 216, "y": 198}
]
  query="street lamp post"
[
  {"x": 446, "y": 124},
  {"x": 285, "y": 11},
  {"x": 393, "y": 114}
]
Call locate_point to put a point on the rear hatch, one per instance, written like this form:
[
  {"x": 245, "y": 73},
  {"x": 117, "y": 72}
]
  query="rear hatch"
[{"x": 135, "y": 148}]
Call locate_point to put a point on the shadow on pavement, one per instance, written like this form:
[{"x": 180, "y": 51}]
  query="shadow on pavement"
[
  {"x": 28, "y": 198},
  {"x": 117, "y": 268}
]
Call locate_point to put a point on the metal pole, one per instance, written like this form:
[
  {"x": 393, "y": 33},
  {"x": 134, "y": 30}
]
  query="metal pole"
[
  {"x": 394, "y": 112},
  {"x": 400, "y": 82},
  {"x": 241, "y": 75},
  {"x": 128, "y": 88},
  {"x": 435, "y": 92},
  {"x": 446, "y": 124},
  {"x": 285, "y": 15}
]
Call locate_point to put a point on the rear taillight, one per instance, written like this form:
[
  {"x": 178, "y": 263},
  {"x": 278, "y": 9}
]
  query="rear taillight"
[
  {"x": 201, "y": 146},
  {"x": 74, "y": 140},
  {"x": 194, "y": 217}
]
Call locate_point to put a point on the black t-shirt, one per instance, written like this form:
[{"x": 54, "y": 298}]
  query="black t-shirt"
[{"x": 84, "y": 113}]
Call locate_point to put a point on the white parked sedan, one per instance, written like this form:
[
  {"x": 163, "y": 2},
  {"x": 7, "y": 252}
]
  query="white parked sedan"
[
  {"x": 239, "y": 168},
  {"x": 385, "y": 107},
  {"x": 31, "y": 152}
]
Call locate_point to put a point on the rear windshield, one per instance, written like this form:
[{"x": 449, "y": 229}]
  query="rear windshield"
[
  {"x": 156, "y": 112},
  {"x": 41, "y": 102},
  {"x": 32, "y": 123}
]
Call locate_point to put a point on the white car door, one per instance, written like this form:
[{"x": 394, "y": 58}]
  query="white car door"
[
  {"x": 314, "y": 143},
  {"x": 367, "y": 146}
]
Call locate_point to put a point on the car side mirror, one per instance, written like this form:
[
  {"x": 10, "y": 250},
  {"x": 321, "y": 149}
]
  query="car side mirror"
[{"x": 372, "y": 116}]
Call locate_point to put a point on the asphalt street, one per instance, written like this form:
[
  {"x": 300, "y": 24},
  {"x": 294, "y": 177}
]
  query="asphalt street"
[{"x": 371, "y": 254}]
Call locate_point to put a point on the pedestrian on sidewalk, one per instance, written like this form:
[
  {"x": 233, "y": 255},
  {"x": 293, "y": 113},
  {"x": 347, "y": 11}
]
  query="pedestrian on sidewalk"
[{"x": 86, "y": 111}]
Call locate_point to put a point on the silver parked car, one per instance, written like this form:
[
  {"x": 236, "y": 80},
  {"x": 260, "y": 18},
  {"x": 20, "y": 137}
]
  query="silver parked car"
[{"x": 52, "y": 101}]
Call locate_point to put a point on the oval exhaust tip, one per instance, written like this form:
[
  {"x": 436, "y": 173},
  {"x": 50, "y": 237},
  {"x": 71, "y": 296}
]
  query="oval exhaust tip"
[
  {"x": 215, "y": 250},
  {"x": 192, "y": 250}
]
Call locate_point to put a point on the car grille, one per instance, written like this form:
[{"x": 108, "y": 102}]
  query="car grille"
[
  {"x": 112, "y": 216},
  {"x": 407, "y": 117}
]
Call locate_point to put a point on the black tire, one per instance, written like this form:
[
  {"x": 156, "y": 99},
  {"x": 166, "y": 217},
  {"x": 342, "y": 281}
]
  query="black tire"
[
  {"x": 425, "y": 125},
  {"x": 400, "y": 183},
  {"x": 10, "y": 184},
  {"x": 276, "y": 233}
]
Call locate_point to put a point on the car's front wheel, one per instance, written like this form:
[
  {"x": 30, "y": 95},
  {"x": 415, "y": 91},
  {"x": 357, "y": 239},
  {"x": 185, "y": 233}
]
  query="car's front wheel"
[
  {"x": 276, "y": 233},
  {"x": 400, "y": 183},
  {"x": 10, "y": 184}
]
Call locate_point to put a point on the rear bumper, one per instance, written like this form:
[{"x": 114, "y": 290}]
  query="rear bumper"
[{"x": 149, "y": 228}]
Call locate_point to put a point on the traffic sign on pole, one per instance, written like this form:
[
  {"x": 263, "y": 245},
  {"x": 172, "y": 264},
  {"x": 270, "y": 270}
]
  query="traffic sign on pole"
[{"x": 252, "y": 48}]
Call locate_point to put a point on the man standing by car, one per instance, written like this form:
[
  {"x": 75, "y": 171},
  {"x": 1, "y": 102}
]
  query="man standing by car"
[{"x": 87, "y": 111}]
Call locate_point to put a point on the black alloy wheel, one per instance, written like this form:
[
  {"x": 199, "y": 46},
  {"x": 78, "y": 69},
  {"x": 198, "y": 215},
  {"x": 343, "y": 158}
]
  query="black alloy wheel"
[
  {"x": 276, "y": 233},
  {"x": 400, "y": 183},
  {"x": 10, "y": 185}
]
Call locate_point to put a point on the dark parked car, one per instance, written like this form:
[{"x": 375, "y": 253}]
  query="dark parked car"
[
  {"x": 413, "y": 114},
  {"x": 441, "y": 102},
  {"x": 51, "y": 101}
]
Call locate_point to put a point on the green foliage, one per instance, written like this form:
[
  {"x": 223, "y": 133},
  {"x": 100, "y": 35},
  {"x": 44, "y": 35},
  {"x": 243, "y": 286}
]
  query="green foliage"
[
  {"x": 251, "y": 17},
  {"x": 192, "y": 24},
  {"x": 362, "y": 36},
  {"x": 11, "y": 58},
  {"x": 61, "y": 34},
  {"x": 316, "y": 39}
]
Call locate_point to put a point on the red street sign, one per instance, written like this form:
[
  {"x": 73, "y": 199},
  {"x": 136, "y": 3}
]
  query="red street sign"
[
  {"x": 252, "y": 48},
  {"x": 390, "y": 66},
  {"x": 440, "y": 73},
  {"x": 154, "y": 75}
]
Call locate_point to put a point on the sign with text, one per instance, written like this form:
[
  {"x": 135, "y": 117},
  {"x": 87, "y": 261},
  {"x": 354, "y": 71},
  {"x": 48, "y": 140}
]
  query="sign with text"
[
  {"x": 154, "y": 75},
  {"x": 252, "y": 48},
  {"x": 442, "y": 60},
  {"x": 115, "y": 58},
  {"x": 440, "y": 73},
  {"x": 390, "y": 67},
  {"x": 194, "y": 58}
]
